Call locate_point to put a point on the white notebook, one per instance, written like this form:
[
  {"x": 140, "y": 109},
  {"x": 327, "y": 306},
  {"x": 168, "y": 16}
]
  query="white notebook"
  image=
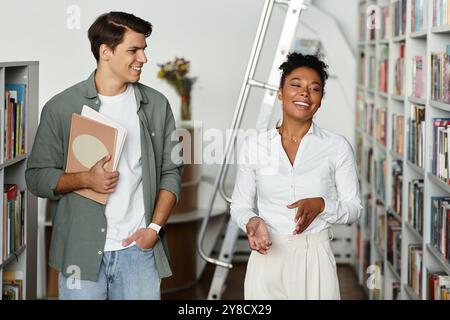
[{"x": 90, "y": 113}]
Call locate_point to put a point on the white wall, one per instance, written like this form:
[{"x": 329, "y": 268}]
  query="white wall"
[{"x": 216, "y": 36}]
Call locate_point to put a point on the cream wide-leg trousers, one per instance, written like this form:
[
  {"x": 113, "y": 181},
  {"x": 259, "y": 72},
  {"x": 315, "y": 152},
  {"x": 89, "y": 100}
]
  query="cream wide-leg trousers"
[{"x": 295, "y": 267}]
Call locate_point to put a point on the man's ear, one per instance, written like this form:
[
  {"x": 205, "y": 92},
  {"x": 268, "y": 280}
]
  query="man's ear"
[
  {"x": 105, "y": 52},
  {"x": 279, "y": 95}
]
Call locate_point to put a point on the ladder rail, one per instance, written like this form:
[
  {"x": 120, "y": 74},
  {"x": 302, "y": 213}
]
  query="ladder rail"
[
  {"x": 251, "y": 83},
  {"x": 236, "y": 122}
]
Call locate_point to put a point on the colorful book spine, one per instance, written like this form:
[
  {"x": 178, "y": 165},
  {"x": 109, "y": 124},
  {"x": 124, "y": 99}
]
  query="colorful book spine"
[
  {"x": 398, "y": 133},
  {"x": 416, "y": 135},
  {"x": 415, "y": 204}
]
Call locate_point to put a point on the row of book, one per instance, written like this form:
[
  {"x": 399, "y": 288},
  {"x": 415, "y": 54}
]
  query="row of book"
[
  {"x": 380, "y": 165},
  {"x": 365, "y": 115},
  {"x": 418, "y": 76},
  {"x": 415, "y": 261},
  {"x": 395, "y": 290},
  {"x": 368, "y": 154},
  {"x": 381, "y": 125},
  {"x": 397, "y": 182},
  {"x": 440, "y": 76},
  {"x": 419, "y": 15},
  {"x": 440, "y": 225},
  {"x": 362, "y": 252},
  {"x": 399, "y": 71},
  {"x": 361, "y": 68},
  {"x": 399, "y": 18},
  {"x": 394, "y": 242},
  {"x": 359, "y": 151},
  {"x": 372, "y": 72},
  {"x": 367, "y": 203},
  {"x": 398, "y": 133},
  {"x": 415, "y": 204},
  {"x": 416, "y": 135},
  {"x": 360, "y": 112},
  {"x": 419, "y": 18},
  {"x": 384, "y": 27},
  {"x": 440, "y": 157},
  {"x": 441, "y": 13},
  {"x": 13, "y": 219},
  {"x": 14, "y": 120},
  {"x": 439, "y": 285},
  {"x": 380, "y": 234},
  {"x": 438, "y": 282},
  {"x": 12, "y": 285},
  {"x": 383, "y": 69}
]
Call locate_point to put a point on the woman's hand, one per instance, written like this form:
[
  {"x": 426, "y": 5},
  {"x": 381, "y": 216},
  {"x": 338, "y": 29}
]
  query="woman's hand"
[
  {"x": 307, "y": 211},
  {"x": 258, "y": 235}
]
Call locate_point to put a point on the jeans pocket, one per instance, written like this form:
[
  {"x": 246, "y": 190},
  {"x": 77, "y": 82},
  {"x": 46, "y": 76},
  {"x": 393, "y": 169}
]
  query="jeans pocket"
[{"x": 144, "y": 250}]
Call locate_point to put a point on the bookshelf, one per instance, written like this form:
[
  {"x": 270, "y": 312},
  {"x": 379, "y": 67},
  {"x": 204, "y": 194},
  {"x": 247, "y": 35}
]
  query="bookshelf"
[
  {"x": 18, "y": 226},
  {"x": 412, "y": 34}
]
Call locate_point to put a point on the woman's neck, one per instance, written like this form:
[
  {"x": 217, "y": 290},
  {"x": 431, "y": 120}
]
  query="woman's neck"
[{"x": 294, "y": 130}]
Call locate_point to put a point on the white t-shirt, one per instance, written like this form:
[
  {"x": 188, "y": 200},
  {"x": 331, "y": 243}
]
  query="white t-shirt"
[{"x": 125, "y": 208}]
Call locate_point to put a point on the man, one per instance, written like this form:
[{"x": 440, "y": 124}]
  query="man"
[{"x": 117, "y": 251}]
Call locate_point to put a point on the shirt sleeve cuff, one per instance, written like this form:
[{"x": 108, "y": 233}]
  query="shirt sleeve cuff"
[
  {"x": 330, "y": 210},
  {"x": 243, "y": 218},
  {"x": 53, "y": 179}
]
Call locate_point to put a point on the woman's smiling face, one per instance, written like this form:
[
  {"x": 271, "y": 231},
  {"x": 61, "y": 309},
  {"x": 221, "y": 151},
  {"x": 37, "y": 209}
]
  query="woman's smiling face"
[{"x": 301, "y": 94}]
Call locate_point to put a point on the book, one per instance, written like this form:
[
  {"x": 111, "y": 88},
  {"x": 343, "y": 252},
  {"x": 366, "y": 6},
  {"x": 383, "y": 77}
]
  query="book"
[
  {"x": 13, "y": 285},
  {"x": 90, "y": 141},
  {"x": 14, "y": 120},
  {"x": 121, "y": 131}
]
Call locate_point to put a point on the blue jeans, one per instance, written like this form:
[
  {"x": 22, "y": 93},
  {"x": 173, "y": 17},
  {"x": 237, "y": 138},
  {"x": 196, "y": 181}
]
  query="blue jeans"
[{"x": 128, "y": 274}]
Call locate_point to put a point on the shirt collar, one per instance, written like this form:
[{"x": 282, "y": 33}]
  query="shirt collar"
[
  {"x": 313, "y": 130},
  {"x": 91, "y": 90}
]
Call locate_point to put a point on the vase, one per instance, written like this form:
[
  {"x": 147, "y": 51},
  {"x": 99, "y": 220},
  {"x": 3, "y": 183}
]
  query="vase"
[{"x": 185, "y": 108}]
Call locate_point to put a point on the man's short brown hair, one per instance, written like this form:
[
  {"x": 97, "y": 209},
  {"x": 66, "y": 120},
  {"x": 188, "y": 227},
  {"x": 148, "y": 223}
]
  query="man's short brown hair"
[{"x": 109, "y": 29}]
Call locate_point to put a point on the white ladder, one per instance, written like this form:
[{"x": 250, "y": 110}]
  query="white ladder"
[{"x": 271, "y": 86}]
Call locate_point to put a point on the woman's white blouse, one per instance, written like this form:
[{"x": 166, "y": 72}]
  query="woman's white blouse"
[{"x": 266, "y": 182}]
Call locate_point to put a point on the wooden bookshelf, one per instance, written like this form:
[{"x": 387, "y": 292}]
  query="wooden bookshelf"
[
  {"x": 21, "y": 255},
  {"x": 426, "y": 41}
]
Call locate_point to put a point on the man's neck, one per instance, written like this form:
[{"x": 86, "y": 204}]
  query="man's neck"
[{"x": 107, "y": 84}]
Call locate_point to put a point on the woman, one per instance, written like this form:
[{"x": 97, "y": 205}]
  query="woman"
[{"x": 293, "y": 183}]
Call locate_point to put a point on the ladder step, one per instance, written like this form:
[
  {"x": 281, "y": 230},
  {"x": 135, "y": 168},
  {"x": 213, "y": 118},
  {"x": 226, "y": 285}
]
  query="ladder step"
[{"x": 259, "y": 84}]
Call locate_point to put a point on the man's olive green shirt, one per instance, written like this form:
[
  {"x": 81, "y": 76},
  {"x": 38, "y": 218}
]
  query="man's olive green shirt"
[{"x": 79, "y": 224}]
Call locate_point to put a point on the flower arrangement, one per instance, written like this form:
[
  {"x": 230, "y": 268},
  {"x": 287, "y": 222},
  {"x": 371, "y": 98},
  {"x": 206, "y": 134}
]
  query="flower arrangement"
[{"x": 175, "y": 72}]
